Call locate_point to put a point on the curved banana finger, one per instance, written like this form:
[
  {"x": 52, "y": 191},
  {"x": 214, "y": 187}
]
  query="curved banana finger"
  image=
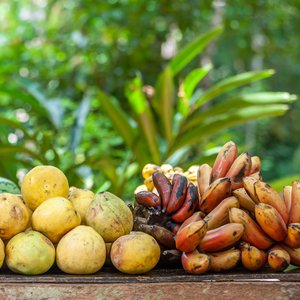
[
  {"x": 225, "y": 260},
  {"x": 217, "y": 191},
  {"x": 224, "y": 160},
  {"x": 195, "y": 262},
  {"x": 253, "y": 234},
  {"x": 219, "y": 215},
  {"x": 270, "y": 221}
]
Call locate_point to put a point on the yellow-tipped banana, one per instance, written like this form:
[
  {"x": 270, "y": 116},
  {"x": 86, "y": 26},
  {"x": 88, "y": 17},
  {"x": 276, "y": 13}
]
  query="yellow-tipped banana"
[
  {"x": 189, "y": 237},
  {"x": 217, "y": 191},
  {"x": 294, "y": 254},
  {"x": 249, "y": 183},
  {"x": 295, "y": 205},
  {"x": 252, "y": 232},
  {"x": 195, "y": 262},
  {"x": 266, "y": 194},
  {"x": 225, "y": 260},
  {"x": 252, "y": 258},
  {"x": 149, "y": 169},
  {"x": 255, "y": 165},
  {"x": 204, "y": 176},
  {"x": 244, "y": 199},
  {"x": 293, "y": 235},
  {"x": 256, "y": 175},
  {"x": 219, "y": 215},
  {"x": 270, "y": 221},
  {"x": 287, "y": 197},
  {"x": 278, "y": 259},
  {"x": 239, "y": 169},
  {"x": 224, "y": 160}
]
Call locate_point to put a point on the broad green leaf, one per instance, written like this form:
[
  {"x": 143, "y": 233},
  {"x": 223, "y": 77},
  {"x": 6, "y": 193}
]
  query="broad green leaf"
[
  {"x": 214, "y": 124},
  {"x": 80, "y": 117},
  {"x": 193, "y": 49},
  {"x": 118, "y": 117},
  {"x": 141, "y": 108},
  {"x": 230, "y": 83},
  {"x": 163, "y": 101},
  {"x": 187, "y": 88},
  {"x": 193, "y": 79},
  {"x": 246, "y": 100}
]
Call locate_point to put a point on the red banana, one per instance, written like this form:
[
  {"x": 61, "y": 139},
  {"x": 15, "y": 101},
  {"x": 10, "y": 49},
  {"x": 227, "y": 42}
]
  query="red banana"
[
  {"x": 294, "y": 254},
  {"x": 189, "y": 237},
  {"x": 295, "y": 205},
  {"x": 197, "y": 216},
  {"x": 240, "y": 168},
  {"x": 164, "y": 188},
  {"x": 195, "y": 262},
  {"x": 217, "y": 191},
  {"x": 270, "y": 221},
  {"x": 222, "y": 237},
  {"x": 189, "y": 205},
  {"x": 204, "y": 176},
  {"x": 255, "y": 165},
  {"x": 287, "y": 196},
  {"x": 293, "y": 235},
  {"x": 266, "y": 194},
  {"x": 224, "y": 160},
  {"x": 248, "y": 183},
  {"x": 244, "y": 199},
  {"x": 161, "y": 234},
  {"x": 253, "y": 234},
  {"x": 219, "y": 215},
  {"x": 179, "y": 188},
  {"x": 148, "y": 199}
]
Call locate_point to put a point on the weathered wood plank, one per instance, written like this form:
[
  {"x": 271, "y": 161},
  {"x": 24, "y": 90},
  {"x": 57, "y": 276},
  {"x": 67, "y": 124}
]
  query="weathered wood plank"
[
  {"x": 110, "y": 275},
  {"x": 159, "y": 291}
]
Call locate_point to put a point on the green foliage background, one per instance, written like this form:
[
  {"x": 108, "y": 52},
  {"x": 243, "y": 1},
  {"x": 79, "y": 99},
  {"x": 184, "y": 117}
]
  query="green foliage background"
[{"x": 57, "y": 55}]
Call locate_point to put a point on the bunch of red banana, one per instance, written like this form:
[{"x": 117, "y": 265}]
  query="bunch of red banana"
[
  {"x": 271, "y": 225},
  {"x": 229, "y": 216},
  {"x": 161, "y": 214}
]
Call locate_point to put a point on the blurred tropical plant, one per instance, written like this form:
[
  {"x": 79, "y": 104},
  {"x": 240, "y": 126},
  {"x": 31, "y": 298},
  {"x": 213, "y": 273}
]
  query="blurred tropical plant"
[
  {"x": 165, "y": 122},
  {"x": 170, "y": 122}
]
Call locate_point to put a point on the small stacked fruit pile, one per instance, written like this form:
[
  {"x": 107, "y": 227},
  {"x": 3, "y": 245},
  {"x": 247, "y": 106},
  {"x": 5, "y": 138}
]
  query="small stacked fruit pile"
[
  {"x": 48, "y": 222},
  {"x": 226, "y": 216}
]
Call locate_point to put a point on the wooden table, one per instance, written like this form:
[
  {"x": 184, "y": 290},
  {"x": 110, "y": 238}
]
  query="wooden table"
[{"x": 157, "y": 284}]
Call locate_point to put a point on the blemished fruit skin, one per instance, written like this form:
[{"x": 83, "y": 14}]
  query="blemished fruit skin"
[
  {"x": 2, "y": 253},
  {"x": 109, "y": 216},
  {"x": 42, "y": 183},
  {"x": 54, "y": 218},
  {"x": 135, "y": 253},
  {"x": 81, "y": 199},
  {"x": 81, "y": 251},
  {"x": 14, "y": 215},
  {"x": 7, "y": 186},
  {"x": 30, "y": 253}
]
